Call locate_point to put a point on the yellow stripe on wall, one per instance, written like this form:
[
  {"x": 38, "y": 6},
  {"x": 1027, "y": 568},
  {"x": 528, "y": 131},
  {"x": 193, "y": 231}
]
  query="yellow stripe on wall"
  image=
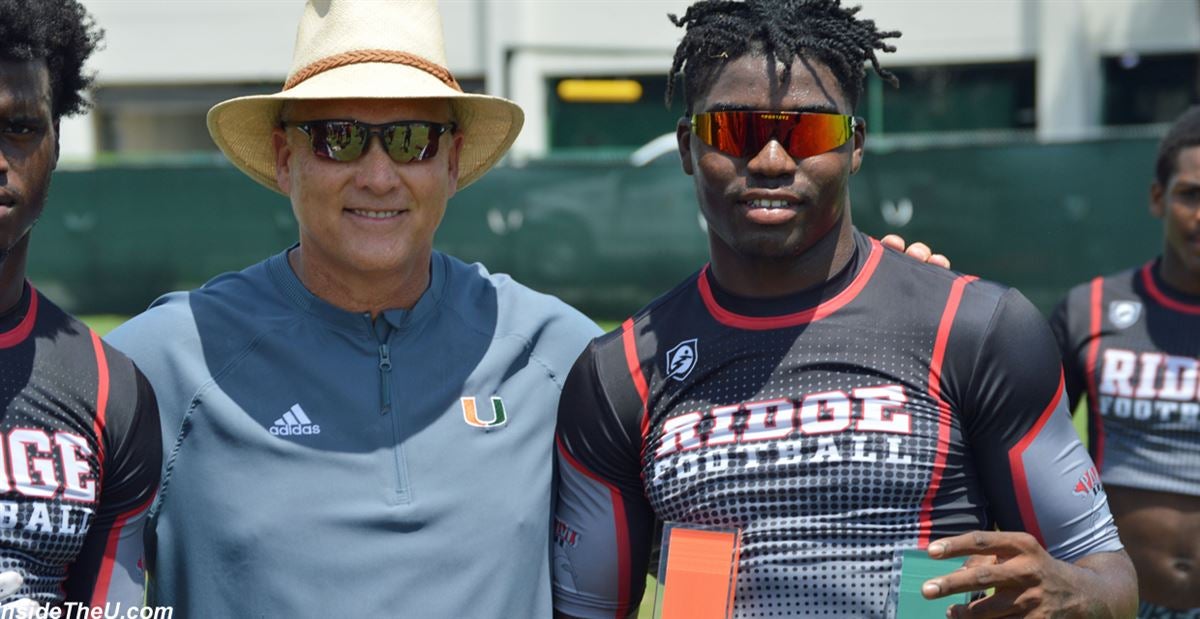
[{"x": 599, "y": 91}]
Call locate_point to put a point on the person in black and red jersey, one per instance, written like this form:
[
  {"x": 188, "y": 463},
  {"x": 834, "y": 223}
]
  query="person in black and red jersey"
[
  {"x": 79, "y": 435},
  {"x": 1130, "y": 343},
  {"x": 837, "y": 401}
]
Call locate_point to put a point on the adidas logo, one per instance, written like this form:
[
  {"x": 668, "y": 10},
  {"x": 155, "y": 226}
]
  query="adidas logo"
[{"x": 294, "y": 423}]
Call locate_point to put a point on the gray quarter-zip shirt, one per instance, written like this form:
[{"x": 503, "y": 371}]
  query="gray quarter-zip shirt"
[{"x": 318, "y": 463}]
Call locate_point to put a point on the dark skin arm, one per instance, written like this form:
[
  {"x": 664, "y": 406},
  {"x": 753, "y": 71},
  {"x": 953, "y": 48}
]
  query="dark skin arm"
[{"x": 1029, "y": 583}]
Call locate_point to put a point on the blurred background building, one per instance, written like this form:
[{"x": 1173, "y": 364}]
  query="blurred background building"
[{"x": 1020, "y": 142}]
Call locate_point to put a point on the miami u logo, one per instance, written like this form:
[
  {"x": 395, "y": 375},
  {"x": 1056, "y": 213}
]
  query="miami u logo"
[{"x": 471, "y": 414}]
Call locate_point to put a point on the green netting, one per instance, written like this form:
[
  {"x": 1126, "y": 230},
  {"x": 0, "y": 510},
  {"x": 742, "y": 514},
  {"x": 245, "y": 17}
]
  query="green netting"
[{"x": 608, "y": 236}]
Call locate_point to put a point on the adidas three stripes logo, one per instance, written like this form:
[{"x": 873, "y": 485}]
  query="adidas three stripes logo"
[{"x": 294, "y": 423}]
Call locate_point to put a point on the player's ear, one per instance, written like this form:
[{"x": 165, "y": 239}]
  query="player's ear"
[
  {"x": 860, "y": 141},
  {"x": 1158, "y": 196},
  {"x": 683, "y": 135}
]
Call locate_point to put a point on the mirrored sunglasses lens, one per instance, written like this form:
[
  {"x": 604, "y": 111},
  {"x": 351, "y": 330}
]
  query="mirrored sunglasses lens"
[
  {"x": 411, "y": 141},
  {"x": 734, "y": 128},
  {"x": 721, "y": 130},
  {"x": 818, "y": 133},
  {"x": 338, "y": 140}
]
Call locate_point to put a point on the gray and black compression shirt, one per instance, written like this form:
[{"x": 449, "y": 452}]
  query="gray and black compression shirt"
[
  {"x": 897, "y": 404},
  {"x": 79, "y": 459},
  {"x": 1131, "y": 343}
]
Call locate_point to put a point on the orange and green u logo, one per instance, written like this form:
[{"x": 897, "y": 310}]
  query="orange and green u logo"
[{"x": 471, "y": 414}]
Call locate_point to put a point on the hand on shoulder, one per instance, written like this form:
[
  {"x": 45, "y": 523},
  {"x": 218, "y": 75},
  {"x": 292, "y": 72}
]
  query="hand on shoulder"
[{"x": 917, "y": 251}]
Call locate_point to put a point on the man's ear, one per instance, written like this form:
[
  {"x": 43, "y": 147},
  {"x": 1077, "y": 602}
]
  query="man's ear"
[
  {"x": 283, "y": 160},
  {"x": 1158, "y": 196},
  {"x": 860, "y": 142},
  {"x": 455, "y": 153},
  {"x": 683, "y": 135}
]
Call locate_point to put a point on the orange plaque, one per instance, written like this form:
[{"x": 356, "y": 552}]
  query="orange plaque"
[{"x": 697, "y": 572}]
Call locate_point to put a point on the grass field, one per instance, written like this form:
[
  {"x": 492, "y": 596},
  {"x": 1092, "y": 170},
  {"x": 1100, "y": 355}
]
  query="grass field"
[{"x": 103, "y": 323}]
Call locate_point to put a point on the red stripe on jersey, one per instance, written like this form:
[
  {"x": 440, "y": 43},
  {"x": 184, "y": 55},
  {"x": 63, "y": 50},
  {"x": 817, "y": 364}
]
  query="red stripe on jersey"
[
  {"x": 17, "y": 334},
  {"x": 101, "y": 399},
  {"x": 1162, "y": 299},
  {"x": 812, "y": 314},
  {"x": 935, "y": 392},
  {"x": 104, "y": 577},
  {"x": 635, "y": 372},
  {"x": 624, "y": 569},
  {"x": 1093, "y": 353},
  {"x": 1016, "y": 464}
]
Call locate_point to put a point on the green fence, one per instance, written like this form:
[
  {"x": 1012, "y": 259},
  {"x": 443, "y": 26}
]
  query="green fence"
[{"x": 608, "y": 236}]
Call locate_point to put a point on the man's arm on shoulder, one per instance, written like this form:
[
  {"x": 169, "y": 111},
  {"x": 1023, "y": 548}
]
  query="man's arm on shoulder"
[
  {"x": 145, "y": 336},
  {"x": 164, "y": 343},
  {"x": 602, "y": 520},
  {"x": 1057, "y": 553}
]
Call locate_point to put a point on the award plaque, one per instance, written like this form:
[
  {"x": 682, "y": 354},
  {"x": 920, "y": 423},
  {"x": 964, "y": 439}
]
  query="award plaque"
[
  {"x": 697, "y": 572},
  {"x": 916, "y": 567}
]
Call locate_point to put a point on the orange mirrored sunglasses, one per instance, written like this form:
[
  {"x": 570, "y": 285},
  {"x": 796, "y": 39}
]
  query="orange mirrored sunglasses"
[{"x": 744, "y": 133}]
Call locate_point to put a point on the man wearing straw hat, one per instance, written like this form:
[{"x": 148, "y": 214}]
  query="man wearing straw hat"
[{"x": 358, "y": 425}]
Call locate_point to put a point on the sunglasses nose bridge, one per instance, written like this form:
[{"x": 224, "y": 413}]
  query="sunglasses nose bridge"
[
  {"x": 372, "y": 133},
  {"x": 776, "y": 131},
  {"x": 771, "y": 159}
]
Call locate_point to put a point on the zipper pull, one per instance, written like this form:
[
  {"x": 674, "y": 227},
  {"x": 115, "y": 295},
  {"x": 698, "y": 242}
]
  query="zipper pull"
[{"x": 385, "y": 385}]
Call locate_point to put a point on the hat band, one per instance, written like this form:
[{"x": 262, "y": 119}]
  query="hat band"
[{"x": 373, "y": 55}]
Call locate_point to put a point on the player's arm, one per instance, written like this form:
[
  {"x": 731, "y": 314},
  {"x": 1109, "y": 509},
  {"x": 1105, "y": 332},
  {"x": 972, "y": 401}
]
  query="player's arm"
[
  {"x": 1057, "y": 553},
  {"x": 1064, "y": 325},
  {"x": 110, "y": 566},
  {"x": 603, "y": 522}
]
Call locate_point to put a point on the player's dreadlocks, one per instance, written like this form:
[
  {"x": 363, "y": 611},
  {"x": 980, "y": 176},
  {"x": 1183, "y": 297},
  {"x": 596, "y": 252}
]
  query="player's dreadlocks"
[
  {"x": 719, "y": 31},
  {"x": 59, "y": 31},
  {"x": 1184, "y": 133}
]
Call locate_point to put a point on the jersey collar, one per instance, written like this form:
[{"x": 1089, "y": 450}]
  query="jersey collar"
[
  {"x": 398, "y": 319},
  {"x": 17, "y": 323},
  {"x": 1164, "y": 294},
  {"x": 855, "y": 282}
]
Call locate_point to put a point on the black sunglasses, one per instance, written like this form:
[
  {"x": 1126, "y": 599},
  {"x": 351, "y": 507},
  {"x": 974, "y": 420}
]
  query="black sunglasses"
[{"x": 347, "y": 140}]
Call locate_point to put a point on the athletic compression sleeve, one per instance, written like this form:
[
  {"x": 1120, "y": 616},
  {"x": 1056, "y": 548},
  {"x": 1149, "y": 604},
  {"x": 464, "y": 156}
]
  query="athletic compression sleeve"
[
  {"x": 603, "y": 522},
  {"x": 1061, "y": 320},
  {"x": 110, "y": 564},
  {"x": 1035, "y": 472}
]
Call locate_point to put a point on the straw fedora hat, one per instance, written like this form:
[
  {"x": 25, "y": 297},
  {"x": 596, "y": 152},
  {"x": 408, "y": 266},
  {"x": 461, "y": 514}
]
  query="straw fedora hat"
[{"x": 370, "y": 49}]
